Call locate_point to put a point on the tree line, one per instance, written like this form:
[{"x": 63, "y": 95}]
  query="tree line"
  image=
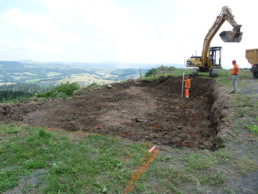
[{"x": 17, "y": 95}]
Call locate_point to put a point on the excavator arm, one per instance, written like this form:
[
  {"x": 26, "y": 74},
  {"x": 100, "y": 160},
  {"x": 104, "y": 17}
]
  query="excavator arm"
[
  {"x": 231, "y": 36},
  {"x": 227, "y": 36}
]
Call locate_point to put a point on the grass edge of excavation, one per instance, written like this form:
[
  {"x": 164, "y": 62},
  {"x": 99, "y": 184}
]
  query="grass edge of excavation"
[
  {"x": 69, "y": 162},
  {"x": 92, "y": 163}
]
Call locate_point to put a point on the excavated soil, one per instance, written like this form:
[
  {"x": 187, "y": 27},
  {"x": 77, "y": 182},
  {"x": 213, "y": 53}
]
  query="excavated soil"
[{"x": 136, "y": 110}]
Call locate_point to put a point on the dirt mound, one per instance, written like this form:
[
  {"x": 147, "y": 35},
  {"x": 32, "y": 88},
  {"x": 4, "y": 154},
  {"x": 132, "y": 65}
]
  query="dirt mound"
[{"x": 138, "y": 110}]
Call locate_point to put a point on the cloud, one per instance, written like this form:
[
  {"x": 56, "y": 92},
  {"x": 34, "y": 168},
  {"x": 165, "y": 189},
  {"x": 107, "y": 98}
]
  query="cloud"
[
  {"x": 128, "y": 31},
  {"x": 43, "y": 25},
  {"x": 6, "y": 43},
  {"x": 116, "y": 34},
  {"x": 108, "y": 18},
  {"x": 63, "y": 10},
  {"x": 35, "y": 22},
  {"x": 113, "y": 25},
  {"x": 45, "y": 48}
]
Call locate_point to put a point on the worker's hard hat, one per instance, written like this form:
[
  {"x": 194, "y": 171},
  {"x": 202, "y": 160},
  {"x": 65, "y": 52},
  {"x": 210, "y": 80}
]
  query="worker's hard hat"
[{"x": 234, "y": 61}]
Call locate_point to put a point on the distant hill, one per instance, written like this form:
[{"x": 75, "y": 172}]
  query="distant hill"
[
  {"x": 118, "y": 65},
  {"x": 52, "y": 73}
]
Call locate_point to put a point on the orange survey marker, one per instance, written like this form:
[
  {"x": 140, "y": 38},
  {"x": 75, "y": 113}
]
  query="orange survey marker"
[
  {"x": 251, "y": 135},
  {"x": 150, "y": 150},
  {"x": 132, "y": 155},
  {"x": 137, "y": 173}
]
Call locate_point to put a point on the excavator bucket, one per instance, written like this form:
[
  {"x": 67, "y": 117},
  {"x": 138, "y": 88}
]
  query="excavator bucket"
[{"x": 230, "y": 36}]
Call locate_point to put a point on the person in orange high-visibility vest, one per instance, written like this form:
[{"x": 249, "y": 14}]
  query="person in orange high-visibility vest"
[
  {"x": 187, "y": 86},
  {"x": 235, "y": 73}
]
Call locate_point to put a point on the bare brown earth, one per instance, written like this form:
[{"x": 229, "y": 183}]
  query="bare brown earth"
[{"x": 137, "y": 110}]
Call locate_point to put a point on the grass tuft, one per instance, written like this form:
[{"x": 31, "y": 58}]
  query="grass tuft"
[
  {"x": 197, "y": 161},
  {"x": 252, "y": 128},
  {"x": 62, "y": 91}
]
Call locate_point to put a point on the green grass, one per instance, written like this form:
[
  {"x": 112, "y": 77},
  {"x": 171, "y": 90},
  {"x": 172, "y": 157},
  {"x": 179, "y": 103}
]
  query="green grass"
[
  {"x": 245, "y": 119},
  {"x": 95, "y": 85},
  {"x": 150, "y": 72},
  {"x": 32, "y": 80},
  {"x": 175, "y": 73},
  {"x": 246, "y": 165},
  {"x": 214, "y": 179},
  {"x": 225, "y": 77},
  {"x": 243, "y": 73},
  {"x": 73, "y": 163},
  {"x": 89, "y": 164},
  {"x": 51, "y": 74},
  {"x": 199, "y": 161},
  {"x": 223, "y": 155},
  {"x": 253, "y": 128},
  {"x": 162, "y": 67},
  {"x": 179, "y": 72},
  {"x": 61, "y": 91},
  {"x": 28, "y": 73},
  {"x": 154, "y": 77}
]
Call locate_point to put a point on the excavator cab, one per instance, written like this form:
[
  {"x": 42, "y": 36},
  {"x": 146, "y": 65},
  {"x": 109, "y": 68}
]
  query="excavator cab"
[{"x": 215, "y": 56}]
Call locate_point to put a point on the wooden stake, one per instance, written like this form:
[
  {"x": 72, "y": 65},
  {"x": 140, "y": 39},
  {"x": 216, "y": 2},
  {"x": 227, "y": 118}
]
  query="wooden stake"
[{"x": 182, "y": 93}]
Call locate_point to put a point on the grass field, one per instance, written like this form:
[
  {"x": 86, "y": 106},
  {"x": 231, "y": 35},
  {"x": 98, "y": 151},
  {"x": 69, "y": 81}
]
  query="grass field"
[
  {"x": 87, "y": 79},
  {"x": 36, "y": 160},
  {"x": 32, "y": 80},
  {"x": 51, "y": 74}
]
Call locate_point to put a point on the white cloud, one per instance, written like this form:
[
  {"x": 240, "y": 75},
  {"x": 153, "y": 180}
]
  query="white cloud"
[
  {"x": 113, "y": 24},
  {"x": 101, "y": 30},
  {"x": 6, "y": 43},
  {"x": 63, "y": 10},
  {"x": 112, "y": 20},
  {"x": 102, "y": 14},
  {"x": 44, "y": 25},
  {"x": 35, "y": 22},
  {"x": 44, "y": 48}
]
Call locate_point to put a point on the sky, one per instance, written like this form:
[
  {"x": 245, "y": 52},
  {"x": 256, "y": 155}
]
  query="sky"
[{"x": 126, "y": 31}]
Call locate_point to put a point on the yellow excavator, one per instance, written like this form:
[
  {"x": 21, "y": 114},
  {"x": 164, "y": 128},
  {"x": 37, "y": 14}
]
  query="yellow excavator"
[{"x": 210, "y": 61}]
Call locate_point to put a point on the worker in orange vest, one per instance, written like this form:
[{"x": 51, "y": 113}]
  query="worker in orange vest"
[
  {"x": 235, "y": 73},
  {"x": 187, "y": 86}
]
